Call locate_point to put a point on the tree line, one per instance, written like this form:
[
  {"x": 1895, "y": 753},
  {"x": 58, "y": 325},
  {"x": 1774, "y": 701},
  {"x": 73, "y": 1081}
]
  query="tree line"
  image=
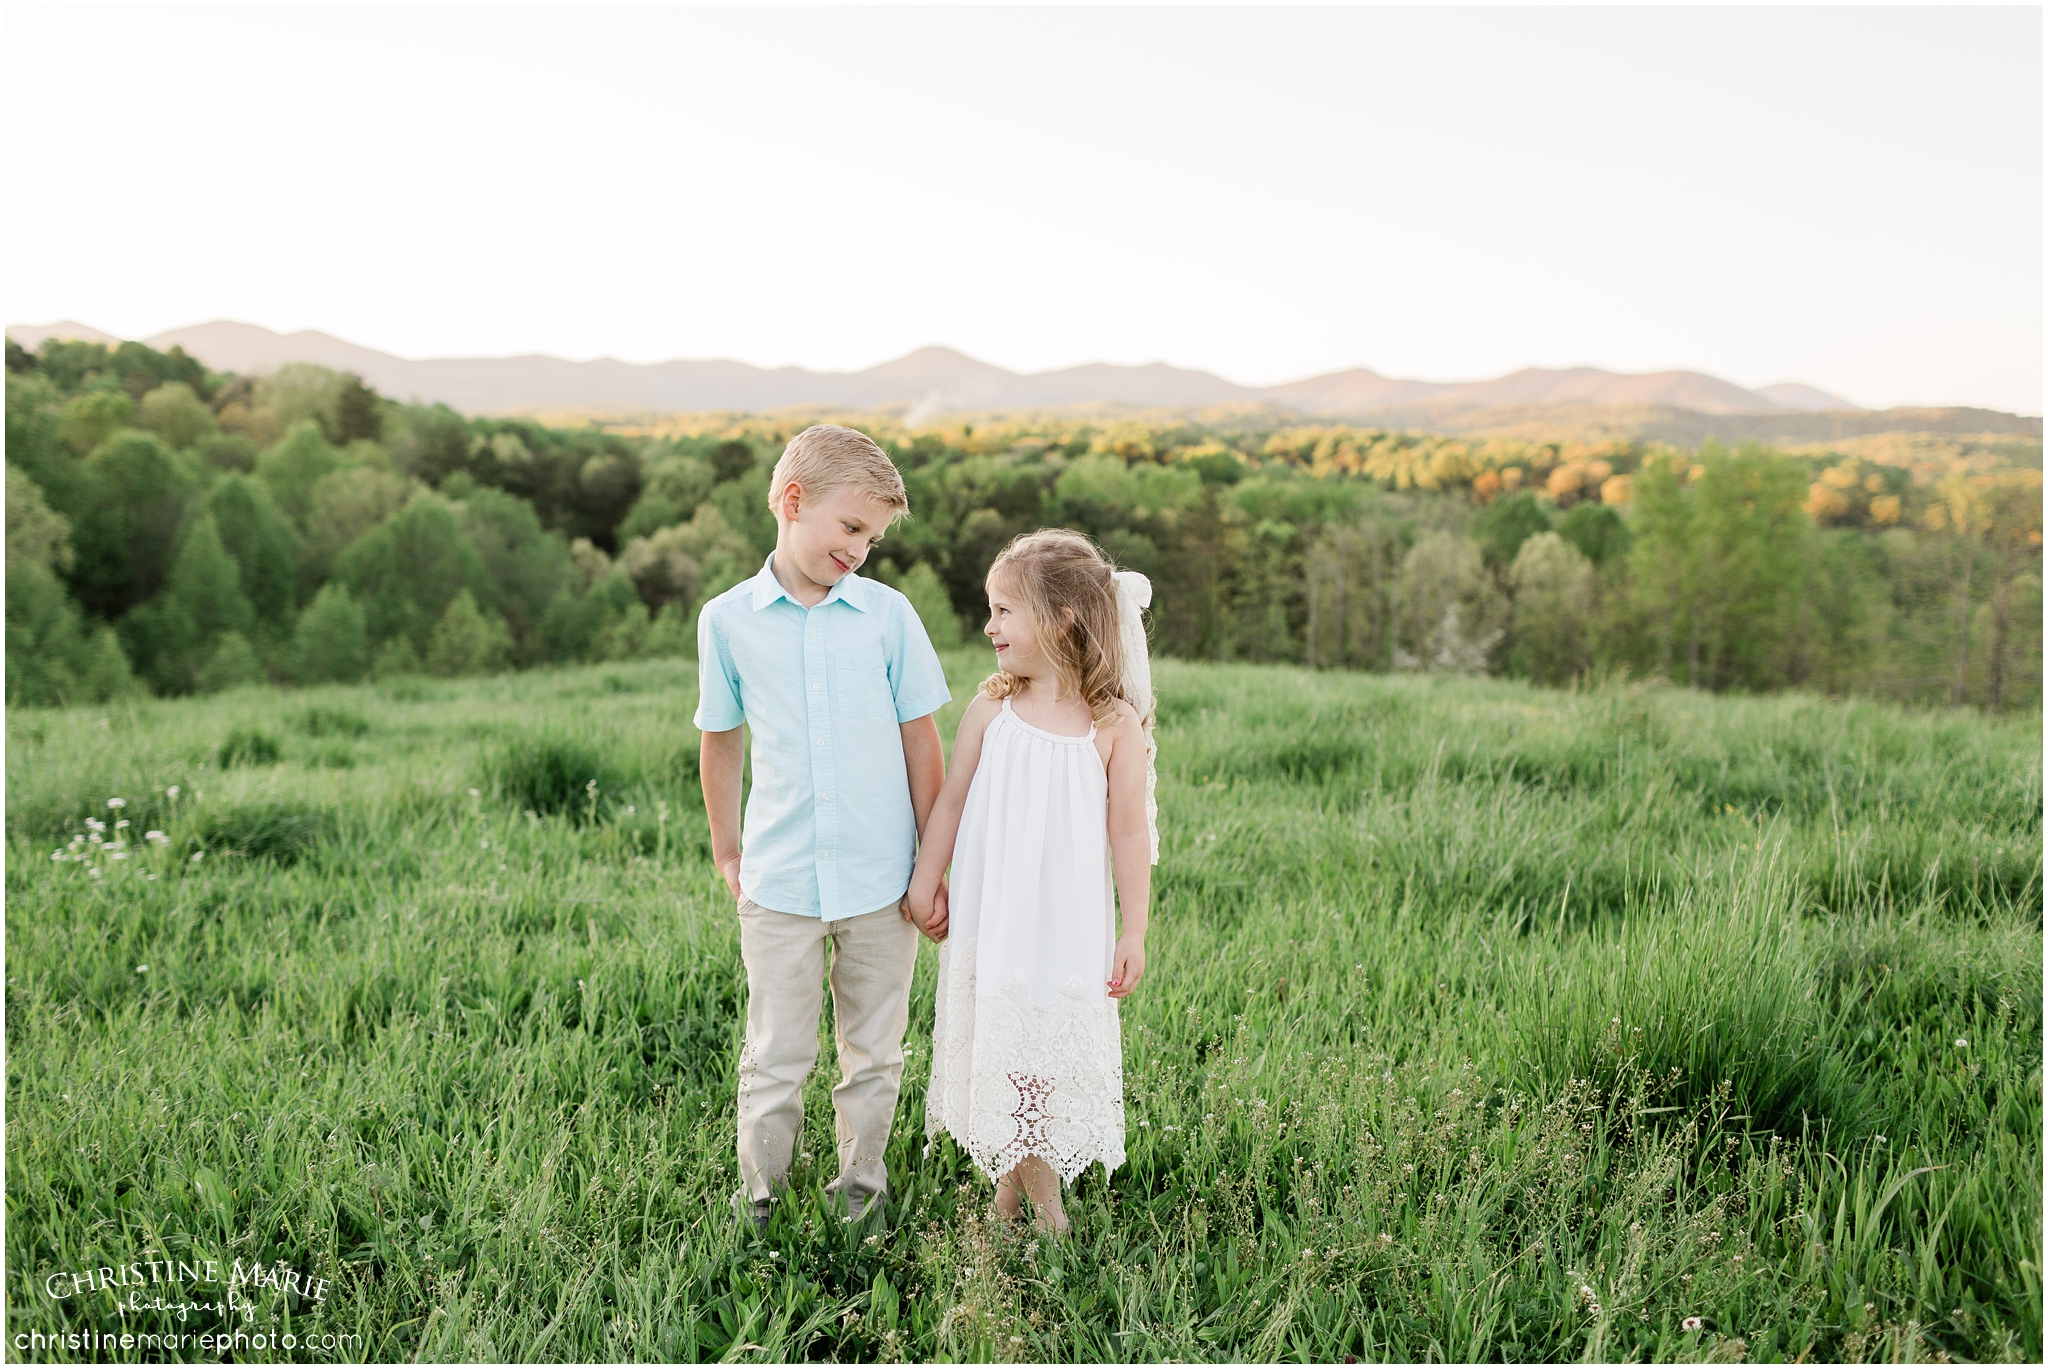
[{"x": 179, "y": 530}]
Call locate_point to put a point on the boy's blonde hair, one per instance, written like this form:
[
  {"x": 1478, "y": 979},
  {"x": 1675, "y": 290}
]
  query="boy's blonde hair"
[
  {"x": 825, "y": 457},
  {"x": 1069, "y": 589}
]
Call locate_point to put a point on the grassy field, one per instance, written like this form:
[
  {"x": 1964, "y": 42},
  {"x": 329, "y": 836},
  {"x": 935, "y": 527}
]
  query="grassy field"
[{"x": 1483, "y": 1022}]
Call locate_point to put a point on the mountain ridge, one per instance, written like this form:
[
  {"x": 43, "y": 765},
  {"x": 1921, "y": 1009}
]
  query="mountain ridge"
[{"x": 930, "y": 381}]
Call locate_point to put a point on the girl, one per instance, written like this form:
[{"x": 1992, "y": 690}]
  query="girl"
[{"x": 1050, "y": 788}]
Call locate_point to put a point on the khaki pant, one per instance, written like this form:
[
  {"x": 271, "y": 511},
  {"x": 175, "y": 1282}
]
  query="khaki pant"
[{"x": 872, "y": 959}]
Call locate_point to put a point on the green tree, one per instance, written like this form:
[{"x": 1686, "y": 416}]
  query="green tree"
[
  {"x": 294, "y": 466},
  {"x": 730, "y": 460},
  {"x": 524, "y": 564},
  {"x": 301, "y": 392},
  {"x": 206, "y": 583},
  {"x": 394, "y": 659},
  {"x": 1596, "y": 530},
  {"x": 343, "y": 506},
  {"x": 934, "y": 608},
  {"x": 232, "y": 665},
  {"x": 1553, "y": 588},
  {"x": 228, "y": 451},
  {"x": 95, "y": 416},
  {"x": 103, "y": 672},
  {"x": 618, "y": 620},
  {"x": 1451, "y": 616},
  {"x": 174, "y": 634},
  {"x": 671, "y": 634},
  {"x": 407, "y": 570},
  {"x": 687, "y": 563},
  {"x": 1503, "y": 526},
  {"x": 125, "y": 532},
  {"x": 676, "y": 485},
  {"x": 176, "y": 414},
  {"x": 431, "y": 444},
  {"x": 468, "y": 641},
  {"x": 1721, "y": 546},
  {"x": 35, "y": 532},
  {"x": 358, "y": 412},
  {"x": 265, "y": 545},
  {"x": 331, "y": 644}
]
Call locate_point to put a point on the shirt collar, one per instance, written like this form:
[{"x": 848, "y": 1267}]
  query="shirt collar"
[{"x": 851, "y": 589}]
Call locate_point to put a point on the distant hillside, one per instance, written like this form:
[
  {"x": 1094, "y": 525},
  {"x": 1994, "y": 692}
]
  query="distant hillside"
[
  {"x": 1689, "y": 428},
  {"x": 31, "y": 335},
  {"x": 937, "y": 380}
]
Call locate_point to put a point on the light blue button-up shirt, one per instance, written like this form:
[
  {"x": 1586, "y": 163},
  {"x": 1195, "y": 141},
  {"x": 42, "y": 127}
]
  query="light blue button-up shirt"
[{"x": 829, "y": 830}]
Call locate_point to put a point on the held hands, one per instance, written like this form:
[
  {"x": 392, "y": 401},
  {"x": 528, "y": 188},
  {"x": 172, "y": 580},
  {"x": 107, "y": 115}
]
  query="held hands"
[
  {"x": 1127, "y": 964},
  {"x": 928, "y": 912}
]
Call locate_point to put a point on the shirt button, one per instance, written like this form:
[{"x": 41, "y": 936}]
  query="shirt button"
[
  {"x": 821, "y": 741},
  {"x": 824, "y": 855},
  {"x": 816, "y": 688},
  {"x": 824, "y": 798}
]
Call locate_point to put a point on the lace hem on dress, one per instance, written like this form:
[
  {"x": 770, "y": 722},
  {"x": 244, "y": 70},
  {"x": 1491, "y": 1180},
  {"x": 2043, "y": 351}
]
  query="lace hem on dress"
[{"x": 1012, "y": 1078}]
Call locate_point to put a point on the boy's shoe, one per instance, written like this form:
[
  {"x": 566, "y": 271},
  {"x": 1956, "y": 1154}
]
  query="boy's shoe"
[
  {"x": 755, "y": 1211},
  {"x": 856, "y": 1206}
]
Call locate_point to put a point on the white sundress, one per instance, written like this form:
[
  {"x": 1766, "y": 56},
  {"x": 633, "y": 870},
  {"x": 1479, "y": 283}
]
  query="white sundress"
[{"x": 1027, "y": 1057}]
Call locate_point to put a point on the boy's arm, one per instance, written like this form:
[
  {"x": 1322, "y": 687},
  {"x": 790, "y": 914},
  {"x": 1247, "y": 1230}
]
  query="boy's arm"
[
  {"x": 720, "y": 757},
  {"x": 721, "y": 752},
  {"x": 925, "y": 759},
  {"x": 1130, "y": 852}
]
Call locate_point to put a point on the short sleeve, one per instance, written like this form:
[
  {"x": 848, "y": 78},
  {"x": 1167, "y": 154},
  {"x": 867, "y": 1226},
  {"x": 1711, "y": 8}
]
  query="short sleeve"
[
  {"x": 718, "y": 683},
  {"x": 916, "y": 678}
]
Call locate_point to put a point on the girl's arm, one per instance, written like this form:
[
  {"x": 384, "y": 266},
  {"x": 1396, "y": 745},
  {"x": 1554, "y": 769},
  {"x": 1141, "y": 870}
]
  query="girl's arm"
[
  {"x": 935, "y": 847},
  {"x": 1130, "y": 850}
]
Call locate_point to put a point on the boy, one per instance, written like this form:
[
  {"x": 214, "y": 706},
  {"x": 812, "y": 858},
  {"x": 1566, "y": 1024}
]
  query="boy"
[{"x": 839, "y": 682}]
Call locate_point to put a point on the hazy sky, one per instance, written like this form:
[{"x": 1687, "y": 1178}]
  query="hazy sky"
[{"x": 1851, "y": 197}]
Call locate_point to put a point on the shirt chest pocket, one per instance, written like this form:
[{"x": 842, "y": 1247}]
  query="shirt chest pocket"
[{"x": 860, "y": 686}]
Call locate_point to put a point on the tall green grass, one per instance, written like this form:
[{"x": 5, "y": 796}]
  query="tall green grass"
[{"x": 1482, "y": 1022}]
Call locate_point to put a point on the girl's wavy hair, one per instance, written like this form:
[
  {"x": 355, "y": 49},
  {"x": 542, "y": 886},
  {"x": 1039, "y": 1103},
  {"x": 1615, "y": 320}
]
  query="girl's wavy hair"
[{"x": 1068, "y": 586}]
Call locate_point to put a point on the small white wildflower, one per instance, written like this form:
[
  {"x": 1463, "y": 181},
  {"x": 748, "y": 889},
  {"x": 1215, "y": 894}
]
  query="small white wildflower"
[
  {"x": 485, "y": 843},
  {"x": 158, "y": 837},
  {"x": 1692, "y": 1323},
  {"x": 142, "y": 969},
  {"x": 94, "y": 873},
  {"x": 1962, "y": 1043},
  {"x": 56, "y": 855},
  {"x": 172, "y": 791},
  {"x": 95, "y": 824},
  {"x": 1880, "y": 1140},
  {"x": 1386, "y": 1239},
  {"x": 119, "y": 825},
  {"x": 632, "y": 809},
  {"x": 117, "y": 803},
  {"x": 473, "y": 793},
  {"x": 1594, "y": 1309},
  {"x": 120, "y": 855},
  {"x": 198, "y": 856}
]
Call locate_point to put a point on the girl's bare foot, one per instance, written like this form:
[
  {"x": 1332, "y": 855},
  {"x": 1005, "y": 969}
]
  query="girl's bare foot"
[
  {"x": 1042, "y": 1182},
  {"x": 1009, "y": 1204},
  {"x": 1052, "y": 1221}
]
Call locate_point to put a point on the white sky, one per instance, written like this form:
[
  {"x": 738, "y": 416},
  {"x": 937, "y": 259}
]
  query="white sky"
[{"x": 1850, "y": 197}]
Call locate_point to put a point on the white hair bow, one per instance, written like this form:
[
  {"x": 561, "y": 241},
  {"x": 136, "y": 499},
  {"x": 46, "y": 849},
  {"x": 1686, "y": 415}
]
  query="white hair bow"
[{"x": 1133, "y": 597}]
